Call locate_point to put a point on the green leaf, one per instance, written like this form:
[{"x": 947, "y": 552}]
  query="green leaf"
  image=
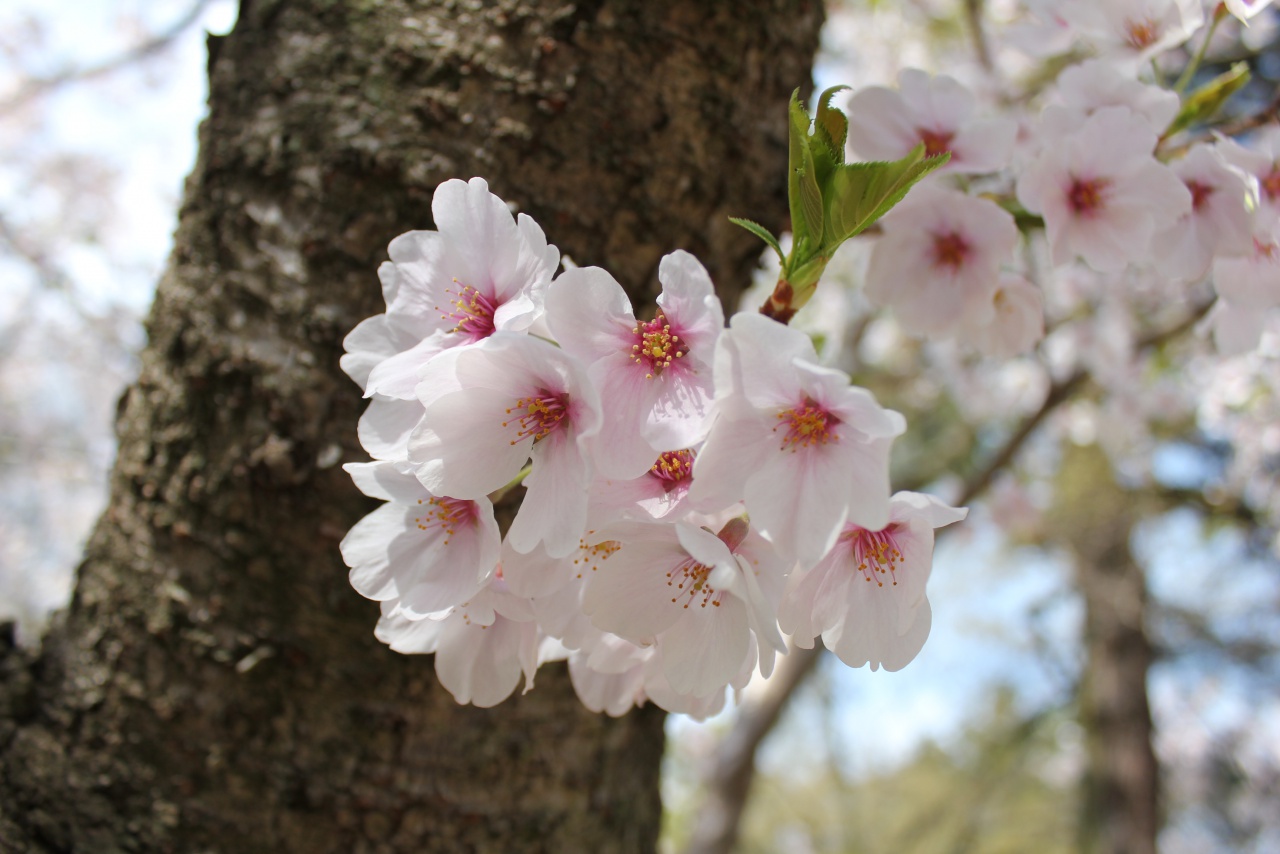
[
  {"x": 861, "y": 193},
  {"x": 1202, "y": 104},
  {"x": 831, "y": 128},
  {"x": 803, "y": 277},
  {"x": 802, "y": 182},
  {"x": 761, "y": 232}
]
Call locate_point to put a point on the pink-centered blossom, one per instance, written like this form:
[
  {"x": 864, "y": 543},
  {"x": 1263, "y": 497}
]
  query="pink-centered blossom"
[
  {"x": 654, "y": 376},
  {"x": 482, "y": 271},
  {"x": 1220, "y": 221},
  {"x": 489, "y": 408},
  {"x": 938, "y": 263},
  {"x": 1102, "y": 193},
  {"x": 806, "y": 451},
  {"x": 866, "y": 598},
  {"x": 886, "y": 124},
  {"x": 1135, "y": 29},
  {"x": 661, "y": 493},
  {"x": 701, "y": 597},
  {"x": 428, "y": 552}
]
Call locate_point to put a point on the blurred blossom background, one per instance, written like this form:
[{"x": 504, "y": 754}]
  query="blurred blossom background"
[{"x": 980, "y": 744}]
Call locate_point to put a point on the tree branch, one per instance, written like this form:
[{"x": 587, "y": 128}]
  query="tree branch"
[
  {"x": 38, "y": 86},
  {"x": 733, "y": 766},
  {"x": 1059, "y": 393}
]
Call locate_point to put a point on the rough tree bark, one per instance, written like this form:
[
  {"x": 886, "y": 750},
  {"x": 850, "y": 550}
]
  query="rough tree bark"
[
  {"x": 214, "y": 685},
  {"x": 1120, "y": 804}
]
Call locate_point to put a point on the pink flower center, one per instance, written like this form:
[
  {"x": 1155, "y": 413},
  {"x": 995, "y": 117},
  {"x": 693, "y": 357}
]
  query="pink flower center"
[
  {"x": 807, "y": 424},
  {"x": 1087, "y": 196},
  {"x": 446, "y": 514},
  {"x": 537, "y": 416},
  {"x": 877, "y": 552},
  {"x": 1200, "y": 194},
  {"x": 949, "y": 250},
  {"x": 656, "y": 345},
  {"x": 1141, "y": 34},
  {"x": 1271, "y": 183},
  {"x": 935, "y": 141},
  {"x": 674, "y": 469},
  {"x": 472, "y": 313}
]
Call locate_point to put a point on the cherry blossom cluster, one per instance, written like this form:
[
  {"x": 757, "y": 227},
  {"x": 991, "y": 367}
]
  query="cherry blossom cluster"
[
  {"x": 1101, "y": 213},
  {"x": 679, "y": 495},
  {"x": 1103, "y": 167},
  {"x": 691, "y": 491}
]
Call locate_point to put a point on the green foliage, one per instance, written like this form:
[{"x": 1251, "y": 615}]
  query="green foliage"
[
  {"x": 830, "y": 200},
  {"x": 1205, "y": 102},
  {"x": 761, "y": 232},
  {"x": 996, "y": 792}
]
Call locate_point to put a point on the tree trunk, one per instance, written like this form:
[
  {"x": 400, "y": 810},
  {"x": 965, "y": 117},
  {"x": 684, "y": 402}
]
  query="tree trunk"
[
  {"x": 1120, "y": 807},
  {"x": 214, "y": 685}
]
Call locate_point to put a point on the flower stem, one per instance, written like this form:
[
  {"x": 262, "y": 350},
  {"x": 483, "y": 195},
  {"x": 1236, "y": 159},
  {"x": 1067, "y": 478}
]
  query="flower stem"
[
  {"x": 1184, "y": 79},
  {"x": 501, "y": 492}
]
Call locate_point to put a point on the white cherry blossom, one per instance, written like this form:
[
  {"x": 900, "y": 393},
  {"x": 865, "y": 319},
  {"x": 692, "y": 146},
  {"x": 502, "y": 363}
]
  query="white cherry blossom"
[
  {"x": 491, "y": 407},
  {"x": 482, "y": 271},
  {"x": 699, "y": 596},
  {"x": 1137, "y": 29},
  {"x": 1015, "y": 323},
  {"x": 1261, "y": 160},
  {"x": 1084, "y": 89},
  {"x": 662, "y": 492},
  {"x": 426, "y": 551},
  {"x": 1102, "y": 193},
  {"x": 1220, "y": 221},
  {"x": 1248, "y": 289},
  {"x": 609, "y": 677},
  {"x": 804, "y": 449},
  {"x": 654, "y": 376},
  {"x": 1246, "y": 9},
  {"x": 885, "y": 124},
  {"x": 481, "y": 647},
  {"x": 866, "y": 598},
  {"x": 938, "y": 263}
]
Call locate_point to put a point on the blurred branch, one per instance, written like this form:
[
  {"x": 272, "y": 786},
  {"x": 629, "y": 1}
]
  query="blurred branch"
[
  {"x": 1231, "y": 508},
  {"x": 1182, "y": 629},
  {"x": 48, "y": 276},
  {"x": 973, "y": 13},
  {"x": 733, "y": 765},
  {"x": 39, "y": 86},
  {"x": 1060, "y": 392}
]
